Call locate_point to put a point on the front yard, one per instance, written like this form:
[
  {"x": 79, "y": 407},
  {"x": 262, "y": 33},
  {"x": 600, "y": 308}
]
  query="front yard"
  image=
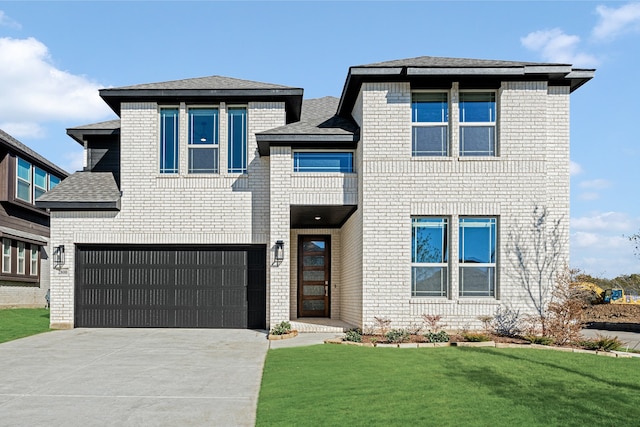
[
  {"x": 346, "y": 385},
  {"x": 22, "y": 322}
]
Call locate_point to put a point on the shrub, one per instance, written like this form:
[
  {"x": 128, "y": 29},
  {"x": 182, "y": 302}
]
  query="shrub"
[
  {"x": 433, "y": 322},
  {"x": 397, "y": 335},
  {"x": 603, "y": 343},
  {"x": 539, "y": 339},
  {"x": 474, "y": 337},
  {"x": 441, "y": 336},
  {"x": 564, "y": 314},
  {"x": 506, "y": 322},
  {"x": 281, "y": 328},
  {"x": 353, "y": 335},
  {"x": 382, "y": 325}
]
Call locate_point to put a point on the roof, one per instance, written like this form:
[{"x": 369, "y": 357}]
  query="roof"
[
  {"x": 28, "y": 154},
  {"x": 425, "y": 69},
  {"x": 80, "y": 133},
  {"x": 83, "y": 190},
  {"x": 212, "y": 88},
  {"x": 318, "y": 124}
]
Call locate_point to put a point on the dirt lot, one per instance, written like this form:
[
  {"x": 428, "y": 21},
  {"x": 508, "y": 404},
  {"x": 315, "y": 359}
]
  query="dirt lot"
[{"x": 613, "y": 313}]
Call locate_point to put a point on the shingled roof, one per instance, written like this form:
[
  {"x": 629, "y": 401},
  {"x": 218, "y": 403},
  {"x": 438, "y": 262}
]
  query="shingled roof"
[
  {"x": 212, "y": 89},
  {"x": 28, "y": 154},
  {"x": 436, "y": 61},
  {"x": 83, "y": 190},
  {"x": 318, "y": 124},
  {"x": 79, "y": 133}
]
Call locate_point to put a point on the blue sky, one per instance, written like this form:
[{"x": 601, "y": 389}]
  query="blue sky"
[{"x": 54, "y": 56}]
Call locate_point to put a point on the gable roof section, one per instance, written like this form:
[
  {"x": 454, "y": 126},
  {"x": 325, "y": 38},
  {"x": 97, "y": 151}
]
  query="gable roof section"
[
  {"x": 442, "y": 70},
  {"x": 83, "y": 191},
  {"x": 319, "y": 126},
  {"x": 27, "y": 153},
  {"x": 81, "y": 133},
  {"x": 207, "y": 89}
]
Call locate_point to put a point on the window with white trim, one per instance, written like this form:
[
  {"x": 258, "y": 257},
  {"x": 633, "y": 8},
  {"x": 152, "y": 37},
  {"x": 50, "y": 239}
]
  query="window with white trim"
[
  {"x": 6, "y": 255},
  {"x": 237, "y": 139},
  {"x": 430, "y": 124},
  {"x": 477, "y": 257},
  {"x": 23, "y": 176},
  {"x": 477, "y": 123},
  {"x": 203, "y": 140},
  {"x": 34, "y": 256},
  {"x": 169, "y": 140},
  {"x": 39, "y": 182},
  {"x": 32, "y": 181},
  {"x": 429, "y": 257},
  {"x": 21, "y": 257}
]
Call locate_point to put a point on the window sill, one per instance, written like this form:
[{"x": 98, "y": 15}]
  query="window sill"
[
  {"x": 460, "y": 301},
  {"x": 432, "y": 158},
  {"x": 479, "y": 158}
]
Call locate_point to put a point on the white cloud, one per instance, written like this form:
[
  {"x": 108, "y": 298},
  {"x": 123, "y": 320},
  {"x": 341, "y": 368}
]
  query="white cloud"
[
  {"x": 589, "y": 195},
  {"x": 595, "y": 184},
  {"x": 582, "y": 239},
  {"x": 575, "y": 168},
  {"x": 556, "y": 46},
  {"x": 611, "y": 222},
  {"x": 5, "y": 21},
  {"x": 614, "y": 22},
  {"x": 34, "y": 90},
  {"x": 74, "y": 161},
  {"x": 23, "y": 129}
]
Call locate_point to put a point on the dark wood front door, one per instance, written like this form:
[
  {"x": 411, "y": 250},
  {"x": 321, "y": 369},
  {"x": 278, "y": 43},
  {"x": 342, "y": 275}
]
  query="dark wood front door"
[{"x": 314, "y": 281}]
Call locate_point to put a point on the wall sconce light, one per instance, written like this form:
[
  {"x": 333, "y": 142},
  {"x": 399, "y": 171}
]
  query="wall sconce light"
[
  {"x": 58, "y": 256},
  {"x": 279, "y": 252}
]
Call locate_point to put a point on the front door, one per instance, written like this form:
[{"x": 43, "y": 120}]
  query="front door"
[{"x": 314, "y": 256}]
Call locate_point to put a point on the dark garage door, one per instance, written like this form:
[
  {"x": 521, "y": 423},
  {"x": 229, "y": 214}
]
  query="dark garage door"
[{"x": 171, "y": 287}]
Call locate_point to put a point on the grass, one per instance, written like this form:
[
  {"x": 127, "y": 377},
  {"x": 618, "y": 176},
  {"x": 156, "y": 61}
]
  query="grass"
[
  {"x": 330, "y": 385},
  {"x": 22, "y": 322}
]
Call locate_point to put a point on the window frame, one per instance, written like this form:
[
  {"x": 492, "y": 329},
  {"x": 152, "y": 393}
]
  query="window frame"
[
  {"x": 443, "y": 265},
  {"x": 163, "y": 169},
  {"x": 36, "y": 186},
  {"x": 493, "y": 224},
  {"x": 233, "y": 168},
  {"x": 34, "y": 258},
  {"x": 297, "y": 169},
  {"x": 21, "y": 267},
  {"x": 19, "y": 179},
  {"x": 445, "y": 123},
  {"x": 482, "y": 124},
  {"x": 195, "y": 146},
  {"x": 6, "y": 257}
]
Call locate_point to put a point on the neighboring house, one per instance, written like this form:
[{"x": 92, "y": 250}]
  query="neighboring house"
[
  {"x": 217, "y": 202},
  {"x": 24, "y": 228}
]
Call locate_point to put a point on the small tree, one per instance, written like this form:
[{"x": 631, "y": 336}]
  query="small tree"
[
  {"x": 564, "y": 318},
  {"x": 537, "y": 256}
]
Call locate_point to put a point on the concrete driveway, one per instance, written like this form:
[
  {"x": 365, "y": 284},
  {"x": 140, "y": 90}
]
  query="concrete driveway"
[{"x": 130, "y": 377}]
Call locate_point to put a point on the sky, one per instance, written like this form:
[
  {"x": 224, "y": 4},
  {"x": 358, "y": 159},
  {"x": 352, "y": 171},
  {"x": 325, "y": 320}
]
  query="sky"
[{"x": 55, "y": 56}]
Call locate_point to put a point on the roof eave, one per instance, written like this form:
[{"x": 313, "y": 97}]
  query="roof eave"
[
  {"x": 265, "y": 142},
  {"x": 80, "y": 135},
  {"x": 113, "y": 205}
]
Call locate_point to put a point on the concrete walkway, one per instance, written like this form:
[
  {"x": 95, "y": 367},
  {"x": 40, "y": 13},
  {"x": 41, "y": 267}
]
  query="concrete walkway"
[{"x": 132, "y": 377}]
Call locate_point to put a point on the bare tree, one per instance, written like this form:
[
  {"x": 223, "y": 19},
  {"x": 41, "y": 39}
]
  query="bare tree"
[{"x": 536, "y": 256}]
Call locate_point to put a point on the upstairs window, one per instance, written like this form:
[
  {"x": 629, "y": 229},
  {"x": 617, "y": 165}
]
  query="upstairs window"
[
  {"x": 477, "y": 248},
  {"x": 477, "y": 123},
  {"x": 430, "y": 120},
  {"x": 169, "y": 140},
  {"x": 23, "y": 189},
  {"x": 237, "y": 152},
  {"x": 429, "y": 257},
  {"x": 39, "y": 182},
  {"x": 203, "y": 140},
  {"x": 307, "y": 161},
  {"x": 53, "y": 181}
]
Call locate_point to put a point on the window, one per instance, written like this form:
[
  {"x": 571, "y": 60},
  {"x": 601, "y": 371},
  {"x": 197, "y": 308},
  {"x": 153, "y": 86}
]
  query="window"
[
  {"x": 23, "y": 190},
  {"x": 430, "y": 118},
  {"x": 203, "y": 140},
  {"x": 21, "y": 258},
  {"x": 169, "y": 140},
  {"x": 477, "y": 123},
  {"x": 477, "y": 257},
  {"x": 39, "y": 182},
  {"x": 237, "y": 152},
  {"x": 6, "y": 255},
  {"x": 306, "y": 161},
  {"x": 35, "y": 251},
  {"x": 53, "y": 181},
  {"x": 429, "y": 257}
]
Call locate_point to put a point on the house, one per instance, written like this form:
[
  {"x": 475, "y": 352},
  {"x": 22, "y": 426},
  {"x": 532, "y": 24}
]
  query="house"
[
  {"x": 24, "y": 228},
  {"x": 218, "y": 202}
]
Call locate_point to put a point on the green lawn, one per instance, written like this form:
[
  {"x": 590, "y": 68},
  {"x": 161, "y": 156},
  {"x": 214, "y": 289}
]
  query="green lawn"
[
  {"x": 339, "y": 385},
  {"x": 22, "y": 322}
]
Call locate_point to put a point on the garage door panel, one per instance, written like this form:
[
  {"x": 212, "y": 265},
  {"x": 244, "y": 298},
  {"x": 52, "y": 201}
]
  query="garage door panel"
[{"x": 142, "y": 286}]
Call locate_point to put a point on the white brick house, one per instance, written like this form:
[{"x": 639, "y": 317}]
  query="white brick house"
[{"x": 395, "y": 200}]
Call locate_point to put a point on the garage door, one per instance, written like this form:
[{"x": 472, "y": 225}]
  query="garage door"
[{"x": 171, "y": 287}]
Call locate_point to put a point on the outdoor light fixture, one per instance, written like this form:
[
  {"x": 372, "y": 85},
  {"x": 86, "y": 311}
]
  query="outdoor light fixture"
[
  {"x": 58, "y": 256},
  {"x": 279, "y": 252}
]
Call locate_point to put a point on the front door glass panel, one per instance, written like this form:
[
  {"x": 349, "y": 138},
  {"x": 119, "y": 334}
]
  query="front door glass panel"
[{"x": 313, "y": 276}]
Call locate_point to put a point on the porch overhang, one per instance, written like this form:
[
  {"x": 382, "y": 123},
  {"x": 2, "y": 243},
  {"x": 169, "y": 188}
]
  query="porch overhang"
[{"x": 320, "y": 216}]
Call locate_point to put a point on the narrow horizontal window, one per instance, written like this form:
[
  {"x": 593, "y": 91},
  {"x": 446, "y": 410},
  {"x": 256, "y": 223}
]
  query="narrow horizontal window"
[
  {"x": 305, "y": 161},
  {"x": 429, "y": 257},
  {"x": 430, "y": 119}
]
